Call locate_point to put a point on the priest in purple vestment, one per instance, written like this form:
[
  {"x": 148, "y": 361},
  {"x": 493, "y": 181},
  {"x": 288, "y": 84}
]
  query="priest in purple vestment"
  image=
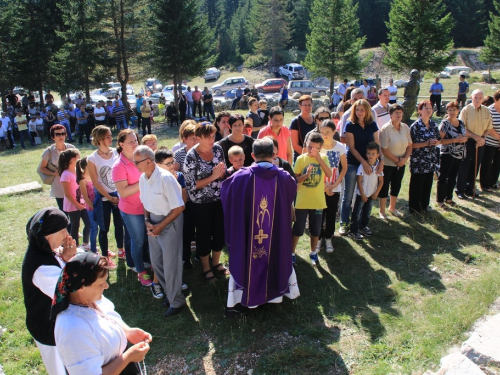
[{"x": 257, "y": 202}]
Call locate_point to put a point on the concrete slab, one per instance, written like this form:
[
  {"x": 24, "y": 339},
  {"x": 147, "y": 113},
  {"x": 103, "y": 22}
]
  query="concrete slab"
[
  {"x": 458, "y": 364},
  {"x": 20, "y": 189},
  {"x": 483, "y": 346}
]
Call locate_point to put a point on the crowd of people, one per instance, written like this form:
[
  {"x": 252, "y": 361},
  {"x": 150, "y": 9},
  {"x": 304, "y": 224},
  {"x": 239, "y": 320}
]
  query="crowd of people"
[{"x": 245, "y": 182}]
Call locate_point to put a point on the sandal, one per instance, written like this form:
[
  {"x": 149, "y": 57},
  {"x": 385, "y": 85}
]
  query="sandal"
[
  {"x": 224, "y": 271},
  {"x": 209, "y": 279},
  {"x": 443, "y": 206},
  {"x": 451, "y": 203}
]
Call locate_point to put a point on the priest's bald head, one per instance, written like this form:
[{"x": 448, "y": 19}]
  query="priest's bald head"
[{"x": 263, "y": 150}]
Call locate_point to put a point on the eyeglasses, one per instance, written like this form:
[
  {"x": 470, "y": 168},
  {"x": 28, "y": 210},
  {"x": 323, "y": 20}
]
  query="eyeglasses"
[
  {"x": 313, "y": 148},
  {"x": 140, "y": 161},
  {"x": 168, "y": 164},
  {"x": 59, "y": 134}
]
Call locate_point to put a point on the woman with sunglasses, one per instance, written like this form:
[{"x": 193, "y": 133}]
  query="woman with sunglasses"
[
  {"x": 51, "y": 156},
  {"x": 126, "y": 177}
]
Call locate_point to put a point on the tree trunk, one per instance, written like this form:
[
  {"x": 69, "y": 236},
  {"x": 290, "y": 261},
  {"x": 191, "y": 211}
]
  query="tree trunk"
[{"x": 332, "y": 84}]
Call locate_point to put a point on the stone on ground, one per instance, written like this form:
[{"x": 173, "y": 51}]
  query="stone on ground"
[
  {"x": 19, "y": 189},
  {"x": 458, "y": 364},
  {"x": 483, "y": 347}
]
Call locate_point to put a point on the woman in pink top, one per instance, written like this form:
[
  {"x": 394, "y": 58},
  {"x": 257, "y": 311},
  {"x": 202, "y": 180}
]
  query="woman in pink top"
[
  {"x": 282, "y": 134},
  {"x": 126, "y": 178},
  {"x": 72, "y": 204}
]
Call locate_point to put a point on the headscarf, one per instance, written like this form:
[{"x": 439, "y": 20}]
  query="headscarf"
[
  {"x": 46, "y": 221},
  {"x": 73, "y": 276}
]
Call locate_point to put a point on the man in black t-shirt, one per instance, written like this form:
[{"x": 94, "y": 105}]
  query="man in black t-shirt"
[{"x": 208, "y": 106}]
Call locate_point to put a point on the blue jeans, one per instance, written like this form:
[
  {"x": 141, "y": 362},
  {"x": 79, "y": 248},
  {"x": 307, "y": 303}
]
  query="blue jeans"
[
  {"x": 138, "y": 238},
  {"x": 350, "y": 185},
  {"x": 22, "y": 135},
  {"x": 94, "y": 230},
  {"x": 68, "y": 130},
  {"x": 361, "y": 213},
  {"x": 121, "y": 124},
  {"x": 209, "y": 110}
]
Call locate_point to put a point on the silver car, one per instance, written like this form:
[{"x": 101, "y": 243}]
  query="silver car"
[
  {"x": 229, "y": 84},
  {"x": 212, "y": 73},
  {"x": 305, "y": 87}
]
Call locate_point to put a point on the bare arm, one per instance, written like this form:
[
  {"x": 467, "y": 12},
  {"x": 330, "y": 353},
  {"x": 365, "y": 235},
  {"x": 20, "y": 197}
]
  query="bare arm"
[
  {"x": 93, "y": 176},
  {"x": 295, "y": 141},
  {"x": 379, "y": 187},
  {"x": 125, "y": 190},
  {"x": 69, "y": 196},
  {"x": 289, "y": 151},
  {"x": 83, "y": 189}
]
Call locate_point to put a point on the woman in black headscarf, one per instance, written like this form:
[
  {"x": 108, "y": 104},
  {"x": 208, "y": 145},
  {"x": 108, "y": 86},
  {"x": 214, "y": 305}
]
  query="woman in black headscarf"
[
  {"x": 50, "y": 247},
  {"x": 91, "y": 337}
]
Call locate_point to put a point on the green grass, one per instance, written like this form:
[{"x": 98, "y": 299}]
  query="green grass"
[{"x": 394, "y": 303}]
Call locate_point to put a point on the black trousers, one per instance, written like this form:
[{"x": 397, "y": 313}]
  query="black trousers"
[
  {"x": 447, "y": 180},
  {"x": 466, "y": 177},
  {"x": 392, "y": 178},
  {"x": 197, "y": 105},
  {"x": 436, "y": 99},
  {"x": 420, "y": 191},
  {"x": 209, "y": 221},
  {"x": 187, "y": 232},
  {"x": 84, "y": 128},
  {"x": 490, "y": 166},
  {"x": 329, "y": 215},
  {"x": 146, "y": 123}
]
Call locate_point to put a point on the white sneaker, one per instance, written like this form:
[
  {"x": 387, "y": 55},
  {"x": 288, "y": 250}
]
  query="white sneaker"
[
  {"x": 318, "y": 246},
  {"x": 329, "y": 246},
  {"x": 184, "y": 286}
]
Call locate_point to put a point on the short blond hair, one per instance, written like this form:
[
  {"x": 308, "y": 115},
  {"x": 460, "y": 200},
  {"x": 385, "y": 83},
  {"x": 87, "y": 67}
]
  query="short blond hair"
[
  {"x": 149, "y": 137},
  {"x": 183, "y": 125},
  {"x": 99, "y": 133},
  {"x": 235, "y": 151}
]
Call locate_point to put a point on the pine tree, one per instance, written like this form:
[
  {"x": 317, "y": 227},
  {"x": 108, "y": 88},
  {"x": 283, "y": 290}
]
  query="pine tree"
[
  {"x": 471, "y": 16},
  {"x": 333, "y": 46},
  {"x": 180, "y": 40},
  {"x": 373, "y": 14},
  {"x": 276, "y": 33},
  {"x": 300, "y": 11},
  {"x": 226, "y": 10},
  {"x": 83, "y": 61},
  {"x": 420, "y": 36},
  {"x": 491, "y": 52}
]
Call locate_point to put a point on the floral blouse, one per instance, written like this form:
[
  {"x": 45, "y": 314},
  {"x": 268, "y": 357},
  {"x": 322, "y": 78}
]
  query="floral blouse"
[
  {"x": 196, "y": 168},
  {"x": 457, "y": 150},
  {"x": 424, "y": 159}
]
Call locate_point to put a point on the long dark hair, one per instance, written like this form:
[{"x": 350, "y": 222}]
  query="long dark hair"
[
  {"x": 81, "y": 165},
  {"x": 65, "y": 158}
]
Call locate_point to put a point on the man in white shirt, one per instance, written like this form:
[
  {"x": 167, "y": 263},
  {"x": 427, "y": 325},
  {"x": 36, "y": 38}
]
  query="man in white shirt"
[
  {"x": 382, "y": 108},
  {"x": 365, "y": 87},
  {"x": 342, "y": 88},
  {"x": 161, "y": 195},
  {"x": 393, "y": 91},
  {"x": 7, "y": 125}
]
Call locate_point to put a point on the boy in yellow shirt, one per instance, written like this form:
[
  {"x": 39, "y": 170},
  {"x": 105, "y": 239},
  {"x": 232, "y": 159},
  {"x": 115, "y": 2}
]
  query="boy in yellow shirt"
[{"x": 310, "y": 169}]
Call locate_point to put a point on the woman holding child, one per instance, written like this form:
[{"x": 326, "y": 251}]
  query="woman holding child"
[
  {"x": 396, "y": 145},
  {"x": 424, "y": 161},
  {"x": 361, "y": 129}
]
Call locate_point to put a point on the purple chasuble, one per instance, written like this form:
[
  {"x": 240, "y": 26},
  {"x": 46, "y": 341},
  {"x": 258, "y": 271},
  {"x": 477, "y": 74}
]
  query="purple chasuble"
[{"x": 257, "y": 206}]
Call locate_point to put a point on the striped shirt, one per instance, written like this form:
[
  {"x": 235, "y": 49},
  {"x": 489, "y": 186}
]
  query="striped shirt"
[
  {"x": 490, "y": 141},
  {"x": 119, "y": 108},
  {"x": 383, "y": 116},
  {"x": 180, "y": 156},
  {"x": 64, "y": 121}
]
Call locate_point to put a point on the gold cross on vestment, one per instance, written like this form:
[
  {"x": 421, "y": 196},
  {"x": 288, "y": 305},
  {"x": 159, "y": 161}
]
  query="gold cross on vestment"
[{"x": 261, "y": 236}]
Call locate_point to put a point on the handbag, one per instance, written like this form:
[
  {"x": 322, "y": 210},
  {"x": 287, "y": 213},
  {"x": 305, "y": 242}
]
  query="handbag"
[{"x": 47, "y": 179}]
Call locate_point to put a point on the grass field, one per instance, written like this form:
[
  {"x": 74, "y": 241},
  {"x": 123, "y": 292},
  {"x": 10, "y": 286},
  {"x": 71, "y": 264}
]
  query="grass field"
[{"x": 394, "y": 303}]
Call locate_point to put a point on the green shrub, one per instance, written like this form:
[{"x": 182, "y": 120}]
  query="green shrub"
[{"x": 252, "y": 61}]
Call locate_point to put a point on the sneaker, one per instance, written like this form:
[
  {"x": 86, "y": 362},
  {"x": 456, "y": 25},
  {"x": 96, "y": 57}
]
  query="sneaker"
[
  {"x": 356, "y": 236},
  {"x": 314, "y": 259},
  {"x": 344, "y": 229},
  {"x": 319, "y": 245},
  {"x": 329, "y": 245},
  {"x": 144, "y": 278},
  {"x": 367, "y": 232},
  {"x": 111, "y": 264},
  {"x": 111, "y": 254},
  {"x": 156, "y": 291},
  {"x": 184, "y": 286},
  {"x": 121, "y": 255},
  {"x": 85, "y": 248}
]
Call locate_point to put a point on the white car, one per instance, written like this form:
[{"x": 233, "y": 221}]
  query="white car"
[
  {"x": 130, "y": 89},
  {"x": 212, "y": 73},
  {"x": 444, "y": 74},
  {"x": 170, "y": 88},
  {"x": 94, "y": 98},
  {"x": 155, "y": 98}
]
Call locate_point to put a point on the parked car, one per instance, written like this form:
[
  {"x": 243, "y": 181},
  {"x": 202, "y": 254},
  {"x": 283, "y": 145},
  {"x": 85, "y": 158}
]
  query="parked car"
[
  {"x": 130, "y": 89},
  {"x": 271, "y": 85},
  {"x": 228, "y": 84},
  {"x": 292, "y": 71},
  {"x": 131, "y": 100},
  {"x": 452, "y": 70},
  {"x": 110, "y": 89},
  {"x": 155, "y": 98},
  {"x": 231, "y": 94},
  {"x": 153, "y": 84},
  {"x": 359, "y": 82},
  {"x": 170, "y": 88},
  {"x": 444, "y": 74},
  {"x": 212, "y": 73},
  {"x": 94, "y": 98},
  {"x": 305, "y": 87}
]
